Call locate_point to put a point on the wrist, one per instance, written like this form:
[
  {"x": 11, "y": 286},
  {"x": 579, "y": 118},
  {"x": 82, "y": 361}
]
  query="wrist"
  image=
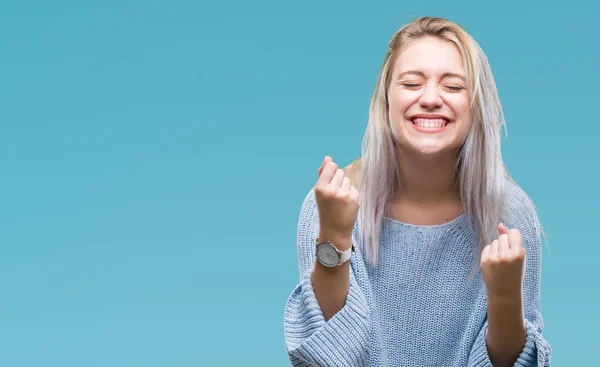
[
  {"x": 341, "y": 241},
  {"x": 508, "y": 309},
  {"x": 505, "y": 299}
]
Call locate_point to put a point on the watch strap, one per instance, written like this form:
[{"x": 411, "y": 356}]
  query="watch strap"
[{"x": 346, "y": 255}]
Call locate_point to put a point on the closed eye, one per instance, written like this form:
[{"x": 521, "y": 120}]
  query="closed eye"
[{"x": 455, "y": 88}]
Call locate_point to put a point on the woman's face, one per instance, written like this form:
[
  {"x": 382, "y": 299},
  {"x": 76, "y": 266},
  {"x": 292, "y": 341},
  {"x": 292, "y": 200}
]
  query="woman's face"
[{"x": 428, "y": 100}]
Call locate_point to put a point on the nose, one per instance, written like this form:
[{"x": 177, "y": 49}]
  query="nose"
[{"x": 431, "y": 98}]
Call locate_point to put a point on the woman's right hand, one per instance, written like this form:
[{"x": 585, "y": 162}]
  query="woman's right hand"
[{"x": 338, "y": 202}]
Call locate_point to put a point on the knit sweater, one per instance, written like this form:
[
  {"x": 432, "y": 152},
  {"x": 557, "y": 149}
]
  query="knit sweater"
[{"x": 420, "y": 305}]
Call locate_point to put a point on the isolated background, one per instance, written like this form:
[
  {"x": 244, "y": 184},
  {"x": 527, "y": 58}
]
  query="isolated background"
[{"x": 154, "y": 156}]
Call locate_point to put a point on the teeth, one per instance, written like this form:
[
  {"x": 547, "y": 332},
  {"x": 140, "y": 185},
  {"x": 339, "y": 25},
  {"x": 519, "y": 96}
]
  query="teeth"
[{"x": 430, "y": 123}]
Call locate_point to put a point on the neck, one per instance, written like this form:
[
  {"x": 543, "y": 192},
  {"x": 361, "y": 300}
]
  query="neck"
[{"x": 427, "y": 179}]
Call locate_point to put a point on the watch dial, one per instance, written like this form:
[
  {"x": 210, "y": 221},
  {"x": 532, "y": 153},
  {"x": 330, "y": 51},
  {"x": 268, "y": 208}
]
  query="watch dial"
[{"x": 327, "y": 255}]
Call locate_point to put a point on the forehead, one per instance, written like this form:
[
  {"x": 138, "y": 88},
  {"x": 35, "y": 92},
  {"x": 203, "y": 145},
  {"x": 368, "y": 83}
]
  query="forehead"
[{"x": 430, "y": 55}]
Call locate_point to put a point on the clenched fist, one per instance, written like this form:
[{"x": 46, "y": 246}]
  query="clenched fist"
[
  {"x": 502, "y": 264},
  {"x": 337, "y": 201}
]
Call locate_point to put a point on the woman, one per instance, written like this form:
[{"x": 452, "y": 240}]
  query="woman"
[{"x": 414, "y": 255}]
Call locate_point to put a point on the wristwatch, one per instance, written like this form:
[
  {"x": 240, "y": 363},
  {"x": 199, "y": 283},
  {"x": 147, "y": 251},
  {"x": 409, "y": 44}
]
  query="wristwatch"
[{"x": 330, "y": 256}]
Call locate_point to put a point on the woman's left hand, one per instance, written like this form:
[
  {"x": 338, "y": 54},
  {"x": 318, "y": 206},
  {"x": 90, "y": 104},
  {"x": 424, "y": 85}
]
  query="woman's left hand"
[{"x": 502, "y": 264}]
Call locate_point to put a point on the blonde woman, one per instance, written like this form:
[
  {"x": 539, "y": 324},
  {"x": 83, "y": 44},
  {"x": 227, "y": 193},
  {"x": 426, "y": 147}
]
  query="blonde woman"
[{"x": 422, "y": 252}]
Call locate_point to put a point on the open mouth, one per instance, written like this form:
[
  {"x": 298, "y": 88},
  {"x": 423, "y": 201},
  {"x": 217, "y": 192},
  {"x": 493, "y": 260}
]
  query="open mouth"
[{"x": 430, "y": 125}]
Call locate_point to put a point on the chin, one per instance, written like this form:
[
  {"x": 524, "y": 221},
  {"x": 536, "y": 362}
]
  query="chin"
[{"x": 431, "y": 149}]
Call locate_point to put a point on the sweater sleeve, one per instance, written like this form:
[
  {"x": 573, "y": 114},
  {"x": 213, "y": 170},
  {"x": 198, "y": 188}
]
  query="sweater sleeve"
[
  {"x": 520, "y": 213},
  {"x": 309, "y": 338}
]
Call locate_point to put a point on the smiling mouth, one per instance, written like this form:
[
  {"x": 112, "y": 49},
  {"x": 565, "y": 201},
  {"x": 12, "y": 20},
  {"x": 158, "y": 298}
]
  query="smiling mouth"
[{"x": 429, "y": 123}]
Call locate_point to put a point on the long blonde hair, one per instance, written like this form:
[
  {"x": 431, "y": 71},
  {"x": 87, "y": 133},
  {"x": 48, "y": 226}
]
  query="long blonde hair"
[{"x": 480, "y": 170}]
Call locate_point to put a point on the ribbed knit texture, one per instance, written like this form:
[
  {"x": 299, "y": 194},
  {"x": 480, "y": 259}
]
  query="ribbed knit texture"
[{"x": 420, "y": 305}]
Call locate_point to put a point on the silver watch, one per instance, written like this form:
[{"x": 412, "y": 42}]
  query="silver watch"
[{"x": 330, "y": 256}]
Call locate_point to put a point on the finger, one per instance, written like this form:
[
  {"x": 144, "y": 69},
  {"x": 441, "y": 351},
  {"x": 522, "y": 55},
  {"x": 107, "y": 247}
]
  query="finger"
[
  {"x": 338, "y": 178},
  {"x": 345, "y": 188},
  {"x": 515, "y": 239},
  {"x": 503, "y": 245},
  {"x": 486, "y": 252},
  {"x": 326, "y": 160},
  {"x": 327, "y": 174},
  {"x": 494, "y": 248},
  {"x": 502, "y": 229}
]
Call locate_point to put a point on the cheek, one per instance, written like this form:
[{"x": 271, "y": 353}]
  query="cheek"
[
  {"x": 460, "y": 107},
  {"x": 399, "y": 102},
  {"x": 464, "y": 115}
]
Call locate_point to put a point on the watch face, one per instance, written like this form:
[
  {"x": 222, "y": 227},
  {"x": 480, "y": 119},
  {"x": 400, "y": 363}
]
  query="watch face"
[{"x": 327, "y": 255}]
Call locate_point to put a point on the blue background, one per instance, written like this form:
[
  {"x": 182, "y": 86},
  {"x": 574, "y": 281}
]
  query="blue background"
[{"x": 154, "y": 156}]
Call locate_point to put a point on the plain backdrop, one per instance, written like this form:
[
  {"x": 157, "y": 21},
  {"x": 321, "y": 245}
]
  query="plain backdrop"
[{"x": 154, "y": 156}]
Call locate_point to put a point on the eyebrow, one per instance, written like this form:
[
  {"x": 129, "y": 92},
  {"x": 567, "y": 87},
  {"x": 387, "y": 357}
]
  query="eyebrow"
[{"x": 421, "y": 74}]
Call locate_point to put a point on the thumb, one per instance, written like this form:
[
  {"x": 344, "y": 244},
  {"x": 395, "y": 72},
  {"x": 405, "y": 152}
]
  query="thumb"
[
  {"x": 503, "y": 229},
  {"x": 325, "y": 161}
]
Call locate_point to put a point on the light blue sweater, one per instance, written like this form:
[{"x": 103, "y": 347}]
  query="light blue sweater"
[{"x": 420, "y": 306}]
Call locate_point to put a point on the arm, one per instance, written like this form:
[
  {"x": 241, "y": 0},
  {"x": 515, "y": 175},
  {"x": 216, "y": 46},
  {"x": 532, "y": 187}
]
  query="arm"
[
  {"x": 507, "y": 333},
  {"x": 512, "y": 334},
  {"x": 310, "y": 338},
  {"x": 337, "y": 203},
  {"x": 331, "y": 284},
  {"x": 502, "y": 267}
]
